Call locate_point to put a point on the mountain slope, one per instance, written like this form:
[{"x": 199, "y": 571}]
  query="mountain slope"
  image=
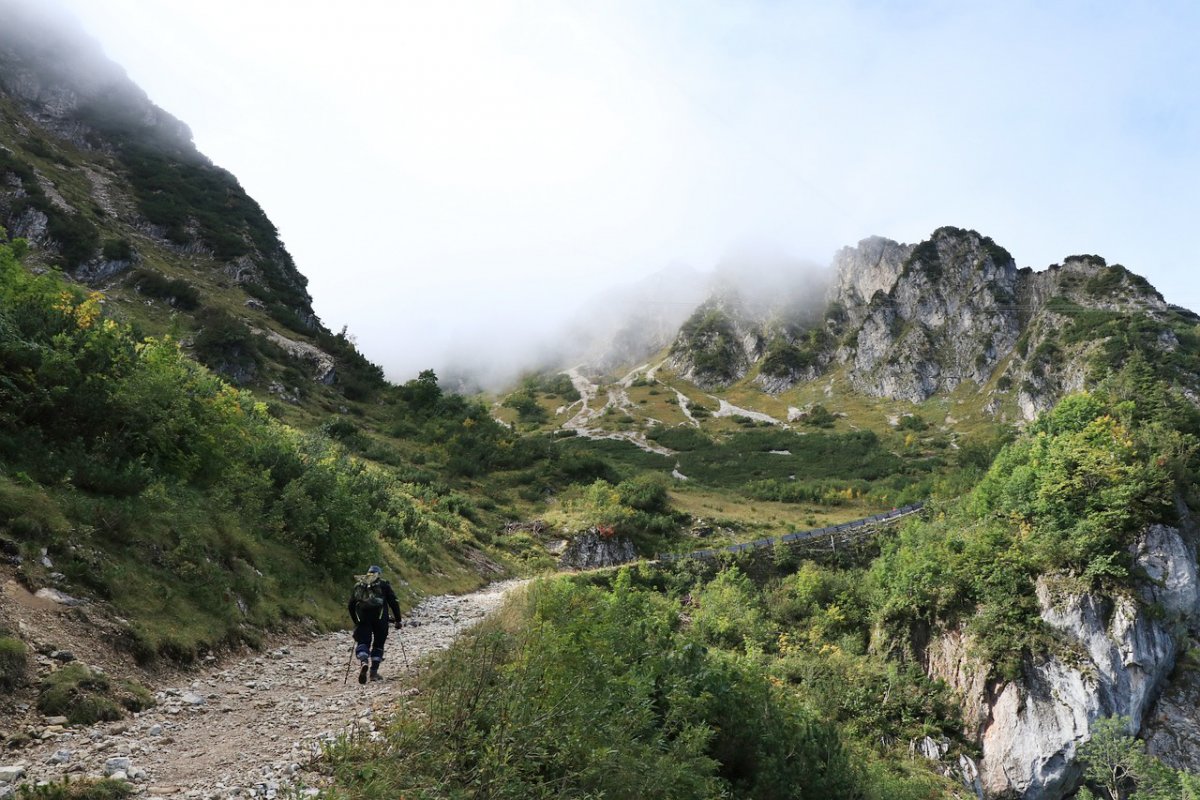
[{"x": 110, "y": 189}]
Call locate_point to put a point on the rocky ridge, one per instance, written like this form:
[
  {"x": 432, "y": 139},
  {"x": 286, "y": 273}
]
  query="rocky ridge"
[{"x": 907, "y": 322}]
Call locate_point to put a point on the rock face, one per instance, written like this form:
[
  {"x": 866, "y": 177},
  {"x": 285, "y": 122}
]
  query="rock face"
[
  {"x": 873, "y": 267},
  {"x": 591, "y": 549},
  {"x": 1116, "y": 659},
  {"x": 947, "y": 317},
  {"x": 1173, "y": 731},
  {"x": 717, "y": 344}
]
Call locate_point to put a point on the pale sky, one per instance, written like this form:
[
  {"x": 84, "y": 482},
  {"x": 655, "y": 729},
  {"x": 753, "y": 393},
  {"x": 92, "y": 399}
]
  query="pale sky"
[{"x": 459, "y": 175}]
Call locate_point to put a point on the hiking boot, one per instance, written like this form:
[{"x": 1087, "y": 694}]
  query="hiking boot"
[
  {"x": 375, "y": 676},
  {"x": 362, "y": 673}
]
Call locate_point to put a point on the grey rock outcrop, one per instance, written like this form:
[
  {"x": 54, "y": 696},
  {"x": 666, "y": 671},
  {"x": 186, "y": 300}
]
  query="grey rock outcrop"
[
  {"x": 1115, "y": 659},
  {"x": 323, "y": 365},
  {"x": 941, "y": 315},
  {"x": 591, "y": 549},
  {"x": 717, "y": 344},
  {"x": 872, "y": 267},
  {"x": 101, "y": 269},
  {"x": 1172, "y": 733}
]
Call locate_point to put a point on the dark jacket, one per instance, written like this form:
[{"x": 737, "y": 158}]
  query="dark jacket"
[{"x": 390, "y": 601}]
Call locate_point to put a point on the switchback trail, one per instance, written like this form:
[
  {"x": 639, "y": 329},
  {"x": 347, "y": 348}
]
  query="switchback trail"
[{"x": 247, "y": 728}]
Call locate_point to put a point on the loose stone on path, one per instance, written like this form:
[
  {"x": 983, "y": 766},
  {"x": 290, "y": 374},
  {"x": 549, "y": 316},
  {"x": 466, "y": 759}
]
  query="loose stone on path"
[{"x": 247, "y": 729}]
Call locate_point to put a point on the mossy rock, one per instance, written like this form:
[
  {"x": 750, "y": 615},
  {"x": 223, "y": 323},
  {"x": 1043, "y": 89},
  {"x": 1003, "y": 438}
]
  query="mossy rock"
[{"x": 85, "y": 697}]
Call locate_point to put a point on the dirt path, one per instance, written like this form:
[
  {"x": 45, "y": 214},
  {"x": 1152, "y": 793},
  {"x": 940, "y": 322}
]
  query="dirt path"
[{"x": 246, "y": 728}]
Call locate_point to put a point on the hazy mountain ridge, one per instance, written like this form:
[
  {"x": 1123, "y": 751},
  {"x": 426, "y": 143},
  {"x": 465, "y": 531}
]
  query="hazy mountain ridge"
[{"x": 907, "y": 322}]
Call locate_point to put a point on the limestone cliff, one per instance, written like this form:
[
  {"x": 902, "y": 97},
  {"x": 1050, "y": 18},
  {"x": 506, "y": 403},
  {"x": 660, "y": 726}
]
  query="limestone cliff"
[
  {"x": 1115, "y": 657},
  {"x": 947, "y": 316}
]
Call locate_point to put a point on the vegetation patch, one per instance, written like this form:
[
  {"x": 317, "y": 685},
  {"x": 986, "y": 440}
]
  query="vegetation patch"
[
  {"x": 179, "y": 293},
  {"x": 1064, "y": 499},
  {"x": 77, "y": 237},
  {"x": 81, "y": 789},
  {"x": 190, "y": 507},
  {"x": 85, "y": 696},
  {"x": 14, "y": 663},
  {"x": 621, "y": 701}
]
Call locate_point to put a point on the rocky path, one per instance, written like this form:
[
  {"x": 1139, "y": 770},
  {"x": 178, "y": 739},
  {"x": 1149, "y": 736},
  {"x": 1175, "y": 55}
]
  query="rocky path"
[{"x": 247, "y": 728}]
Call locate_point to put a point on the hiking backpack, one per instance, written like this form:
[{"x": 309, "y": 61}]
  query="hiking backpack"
[{"x": 368, "y": 597}]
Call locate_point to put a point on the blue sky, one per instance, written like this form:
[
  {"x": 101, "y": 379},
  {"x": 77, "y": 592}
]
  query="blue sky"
[{"x": 456, "y": 176}]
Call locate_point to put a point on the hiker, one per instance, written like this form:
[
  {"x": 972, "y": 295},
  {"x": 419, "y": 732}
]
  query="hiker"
[{"x": 369, "y": 604}]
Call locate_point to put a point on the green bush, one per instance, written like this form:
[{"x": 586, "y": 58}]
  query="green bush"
[
  {"x": 645, "y": 493},
  {"x": 14, "y": 663},
  {"x": 557, "y": 385},
  {"x": 819, "y": 417},
  {"x": 527, "y": 407},
  {"x": 117, "y": 250},
  {"x": 225, "y": 344},
  {"x": 85, "y": 696},
  {"x": 179, "y": 293},
  {"x": 82, "y": 789},
  {"x": 729, "y": 612}
]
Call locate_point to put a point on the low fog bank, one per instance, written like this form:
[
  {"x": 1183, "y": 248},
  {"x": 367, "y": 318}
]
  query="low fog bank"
[{"x": 479, "y": 347}]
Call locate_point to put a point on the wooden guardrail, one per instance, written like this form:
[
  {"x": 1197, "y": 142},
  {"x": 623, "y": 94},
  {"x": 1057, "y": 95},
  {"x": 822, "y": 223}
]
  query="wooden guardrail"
[{"x": 797, "y": 536}]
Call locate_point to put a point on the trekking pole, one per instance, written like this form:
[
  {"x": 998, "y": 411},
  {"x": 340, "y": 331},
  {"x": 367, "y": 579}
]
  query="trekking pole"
[
  {"x": 403, "y": 649},
  {"x": 349, "y": 661}
]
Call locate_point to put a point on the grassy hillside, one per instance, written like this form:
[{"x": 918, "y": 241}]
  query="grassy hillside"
[
  {"x": 179, "y": 500},
  {"x": 841, "y": 456}
]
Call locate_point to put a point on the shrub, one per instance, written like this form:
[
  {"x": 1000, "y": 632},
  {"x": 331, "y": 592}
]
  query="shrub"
[
  {"x": 117, "y": 250},
  {"x": 729, "y": 611},
  {"x": 179, "y": 293},
  {"x": 83, "y": 789},
  {"x": 225, "y": 344},
  {"x": 645, "y": 493},
  {"x": 14, "y": 664},
  {"x": 527, "y": 407},
  {"x": 819, "y": 417},
  {"x": 84, "y": 697}
]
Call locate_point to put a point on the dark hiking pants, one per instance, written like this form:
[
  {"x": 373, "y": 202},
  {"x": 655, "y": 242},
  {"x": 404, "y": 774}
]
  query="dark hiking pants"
[{"x": 369, "y": 638}]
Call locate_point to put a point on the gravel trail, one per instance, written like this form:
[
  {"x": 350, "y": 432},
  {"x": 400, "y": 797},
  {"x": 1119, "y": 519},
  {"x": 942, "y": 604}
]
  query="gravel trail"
[{"x": 247, "y": 728}]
